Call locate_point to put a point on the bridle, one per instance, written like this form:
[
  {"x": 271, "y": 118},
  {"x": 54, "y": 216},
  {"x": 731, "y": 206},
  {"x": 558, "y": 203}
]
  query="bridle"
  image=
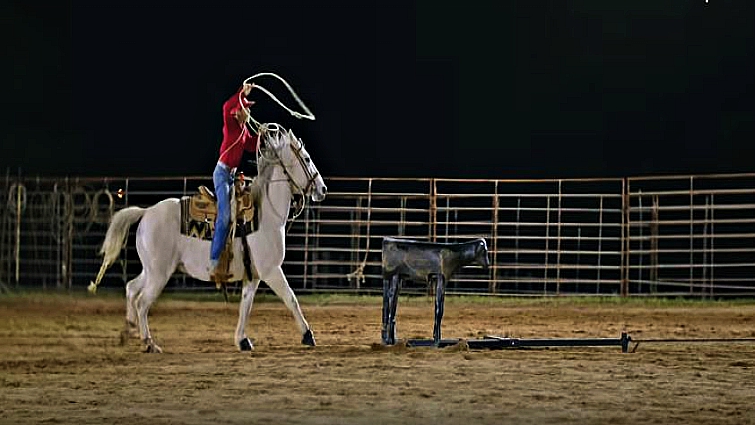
[{"x": 311, "y": 177}]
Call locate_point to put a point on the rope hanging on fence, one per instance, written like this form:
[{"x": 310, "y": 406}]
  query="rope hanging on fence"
[
  {"x": 79, "y": 206},
  {"x": 16, "y": 199},
  {"x": 358, "y": 273},
  {"x": 102, "y": 215}
]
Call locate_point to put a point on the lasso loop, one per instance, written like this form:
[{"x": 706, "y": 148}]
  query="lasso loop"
[
  {"x": 255, "y": 126},
  {"x": 307, "y": 113}
]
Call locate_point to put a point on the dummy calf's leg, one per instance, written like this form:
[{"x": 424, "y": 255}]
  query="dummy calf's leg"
[{"x": 440, "y": 297}]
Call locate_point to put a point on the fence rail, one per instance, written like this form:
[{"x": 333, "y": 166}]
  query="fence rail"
[{"x": 671, "y": 235}]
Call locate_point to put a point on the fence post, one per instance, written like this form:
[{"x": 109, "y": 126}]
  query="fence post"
[
  {"x": 402, "y": 218},
  {"x": 516, "y": 243},
  {"x": 316, "y": 235},
  {"x": 433, "y": 210},
  {"x": 124, "y": 268},
  {"x": 705, "y": 247},
  {"x": 492, "y": 288},
  {"x": 306, "y": 249},
  {"x": 18, "y": 230},
  {"x": 558, "y": 242},
  {"x": 600, "y": 244},
  {"x": 654, "y": 244},
  {"x": 691, "y": 235},
  {"x": 69, "y": 239},
  {"x": 547, "y": 241},
  {"x": 712, "y": 243},
  {"x": 625, "y": 201},
  {"x": 641, "y": 224}
]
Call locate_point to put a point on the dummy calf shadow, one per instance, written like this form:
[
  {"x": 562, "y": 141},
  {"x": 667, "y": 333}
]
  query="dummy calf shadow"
[{"x": 407, "y": 259}]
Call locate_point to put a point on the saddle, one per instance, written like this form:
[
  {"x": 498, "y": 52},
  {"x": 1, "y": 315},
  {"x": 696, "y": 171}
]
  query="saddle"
[{"x": 198, "y": 213}]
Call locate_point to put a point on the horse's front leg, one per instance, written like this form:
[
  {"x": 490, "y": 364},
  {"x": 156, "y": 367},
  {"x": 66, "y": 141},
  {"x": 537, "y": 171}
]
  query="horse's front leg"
[
  {"x": 245, "y": 310},
  {"x": 277, "y": 281}
]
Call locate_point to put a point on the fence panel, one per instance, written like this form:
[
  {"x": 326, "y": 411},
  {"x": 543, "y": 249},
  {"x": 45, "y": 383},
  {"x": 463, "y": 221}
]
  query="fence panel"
[
  {"x": 692, "y": 235},
  {"x": 678, "y": 235}
]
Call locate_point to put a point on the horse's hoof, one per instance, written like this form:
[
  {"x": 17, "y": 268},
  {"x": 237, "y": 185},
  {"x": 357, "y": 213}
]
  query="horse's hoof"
[
  {"x": 128, "y": 334},
  {"x": 153, "y": 348},
  {"x": 246, "y": 345},
  {"x": 308, "y": 338}
]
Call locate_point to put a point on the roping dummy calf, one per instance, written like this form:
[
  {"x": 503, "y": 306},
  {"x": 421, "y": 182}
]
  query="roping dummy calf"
[{"x": 407, "y": 259}]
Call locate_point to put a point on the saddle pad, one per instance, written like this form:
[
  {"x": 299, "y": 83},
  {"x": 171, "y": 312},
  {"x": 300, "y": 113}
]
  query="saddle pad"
[{"x": 198, "y": 219}]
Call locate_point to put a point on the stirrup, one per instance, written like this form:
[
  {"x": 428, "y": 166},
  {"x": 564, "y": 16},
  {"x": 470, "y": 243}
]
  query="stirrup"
[{"x": 220, "y": 278}]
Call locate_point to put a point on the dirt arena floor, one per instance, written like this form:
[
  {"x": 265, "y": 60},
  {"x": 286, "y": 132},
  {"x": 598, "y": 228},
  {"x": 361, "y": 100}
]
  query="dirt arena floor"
[{"x": 61, "y": 362}]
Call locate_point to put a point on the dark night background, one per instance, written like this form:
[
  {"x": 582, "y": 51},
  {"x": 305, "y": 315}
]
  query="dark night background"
[{"x": 504, "y": 89}]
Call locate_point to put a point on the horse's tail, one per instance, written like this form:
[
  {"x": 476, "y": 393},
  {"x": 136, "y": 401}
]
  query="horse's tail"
[{"x": 115, "y": 239}]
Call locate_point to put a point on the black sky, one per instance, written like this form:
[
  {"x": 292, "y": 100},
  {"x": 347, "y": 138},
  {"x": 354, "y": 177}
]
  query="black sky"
[{"x": 504, "y": 89}]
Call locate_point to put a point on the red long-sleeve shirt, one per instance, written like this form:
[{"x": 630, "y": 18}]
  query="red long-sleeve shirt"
[{"x": 236, "y": 137}]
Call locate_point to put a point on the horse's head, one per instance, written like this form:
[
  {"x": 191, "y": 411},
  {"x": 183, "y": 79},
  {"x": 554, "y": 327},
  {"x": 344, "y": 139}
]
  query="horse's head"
[
  {"x": 289, "y": 152},
  {"x": 481, "y": 253}
]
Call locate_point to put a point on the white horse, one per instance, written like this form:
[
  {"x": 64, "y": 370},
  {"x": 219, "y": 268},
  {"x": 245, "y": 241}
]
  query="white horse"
[{"x": 284, "y": 168}]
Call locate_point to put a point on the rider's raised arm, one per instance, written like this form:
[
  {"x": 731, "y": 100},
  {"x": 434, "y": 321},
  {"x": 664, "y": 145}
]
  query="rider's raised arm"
[{"x": 232, "y": 107}]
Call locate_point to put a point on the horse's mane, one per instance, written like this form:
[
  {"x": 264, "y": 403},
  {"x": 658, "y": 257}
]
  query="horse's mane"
[
  {"x": 275, "y": 138},
  {"x": 255, "y": 187},
  {"x": 272, "y": 140}
]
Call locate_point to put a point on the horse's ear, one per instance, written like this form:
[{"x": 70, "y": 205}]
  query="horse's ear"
[{"x": 266, "y": 141}]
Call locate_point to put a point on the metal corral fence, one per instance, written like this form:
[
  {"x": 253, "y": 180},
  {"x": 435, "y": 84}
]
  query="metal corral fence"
[{"x": 678, "y": 235}]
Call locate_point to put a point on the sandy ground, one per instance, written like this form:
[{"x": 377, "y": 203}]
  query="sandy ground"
[{"x": 61, "y": 362}]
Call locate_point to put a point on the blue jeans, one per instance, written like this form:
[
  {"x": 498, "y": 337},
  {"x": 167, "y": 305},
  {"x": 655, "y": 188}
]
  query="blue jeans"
[{"x": 223, "y": 182}]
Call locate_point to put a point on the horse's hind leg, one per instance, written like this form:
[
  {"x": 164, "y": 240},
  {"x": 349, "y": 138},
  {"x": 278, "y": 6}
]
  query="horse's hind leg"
[
  {"x": 133, "y": 289},
  {"x": 245, "y": 309},
  {"x": 151, "y": 289},
  {"x": 279, "y": 284}
]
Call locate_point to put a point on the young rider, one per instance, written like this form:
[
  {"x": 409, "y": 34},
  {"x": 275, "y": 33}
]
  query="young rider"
[{"x": 236, "y": 139}]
